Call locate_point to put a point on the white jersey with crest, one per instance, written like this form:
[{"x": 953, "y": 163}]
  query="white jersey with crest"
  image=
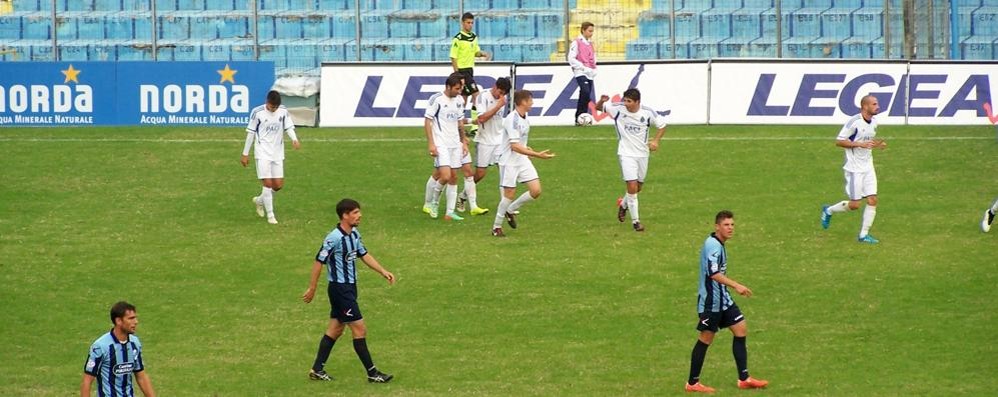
[
  {"x": 445, "y": 113},
  {"x": 858, "y": 130},
  {"x": 490, "y": 133},
  {"x": 269, "y": 128},
  {"x": 515, "y": 130},
  {"x": 632, "y": 128}
]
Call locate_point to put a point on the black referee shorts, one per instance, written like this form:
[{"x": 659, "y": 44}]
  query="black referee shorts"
[
  {"x": 469, "y": 81},
  {"x": 343, "y": 302}
]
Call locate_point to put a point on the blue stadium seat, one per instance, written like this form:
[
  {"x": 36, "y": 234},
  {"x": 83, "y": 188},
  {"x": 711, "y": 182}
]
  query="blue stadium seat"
[
  {"x": 77, "y": 5},
  {"x": 764, "y": 47},
  {"x": 868, "y": 23},
  {"x": 274, "y": 53},
  {"x": 93, "y": 27},
  {"x": 384, "y": 5},
  {"x": 333, "y": 50},
  {"x": 488, "y": 25},
  {"x": 41, "y": 50},
  {"x": 344, "y": 25},
  {"x": 848, "y": 4},
  {"x": 204, "y": 25},
  {"x": 136, "y": 5},
  {"x": 666, "y": 50},
  {"x": 734, "y": 47},
  {"x": 520, "y": 25},
  {"x": 716, "y": 23},
  {"x": 539, "y": 49},
  {"x": 829, "y": 48},
  {"x": 419, "y": 50},
  {"x": 274, "y": 5},
  {"x": 877, "y": 49},
  {"x": 404, "y": 24},
  {"x": 984, "y": 22},
  {"x": 508, "y": 51},
  {"x": 72, "y": 51},
  {"x": 653, "y": 24},
  {"x": 978, "y": 48},
  {"x": 687, "y": 26},
  {"x": 693, "y": 6},
  {"x": 142, "y": 27},
  {"x": 856, "y": 48},
  {"x": 374, "y": 25},
  {"x": 288, "y": 26},
  {"x": 746, "y": 23},
  {"x": 10, "y": 27},
  {"x": 167, "y": 5},
  {"x": 188, "y": 51},
  {"x": 387, "y": 50},
  {"x": 240, "y": 49},
  {"x": 265, "y": 26},
  {"x": 115, "y": 27},
  {"x": 836, "y": 22},
  {"x": 227, "y": 5},
  {"x": 798, "y": 47},
  {"x": 433, "y": 27},
  {"x": 133, "y": 51},
  {"x": 101, "y": 52},
  {"x": 816, "y": 4},
  {"x": 66, "y": 27},
  {"x": 107, "y": 5},
  {"x": 538, "y": 4},
  {"x": 302, "y": 53},
  {"x": 441, "y": 50},
  {"x": 174, "y": 26},
  {"x": 417, "y": 5},
  {"x": 769, "y": 24},
  {"x": 232, "y": 25},
  {"x": 505, "y": 5},
  {"x": 645, "y": 48},
  {"x": 704, "y": 48},
  {"x": 316, "y": 26},
  {"x": 550, "y": 24},
  {"x": 216, "y": 50},
  {"x": 968, "y": 3},
  {"x": 761, "y": 5},
  {"x": 805, "y": 24},
  {"x": 36, "y": 26}
]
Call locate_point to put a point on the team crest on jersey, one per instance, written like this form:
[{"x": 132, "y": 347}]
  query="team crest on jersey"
[{"x": 91, "y": 364}]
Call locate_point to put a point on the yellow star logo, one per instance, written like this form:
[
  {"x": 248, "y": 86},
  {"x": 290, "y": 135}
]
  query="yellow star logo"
[
  {"x": 71, "y": 75},
  {"x": 227, "y": 75}
]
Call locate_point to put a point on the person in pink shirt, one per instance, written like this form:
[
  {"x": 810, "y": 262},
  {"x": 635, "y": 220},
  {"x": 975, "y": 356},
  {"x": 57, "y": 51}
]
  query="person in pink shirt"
[{"x": 582, "y": 58}]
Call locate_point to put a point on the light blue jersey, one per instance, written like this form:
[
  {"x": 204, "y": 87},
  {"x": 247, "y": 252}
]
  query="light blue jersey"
[
  {"x": 713, "y": 296},
  {"x": 339, "y": 252},
  {"x": 113, "y": 363}
]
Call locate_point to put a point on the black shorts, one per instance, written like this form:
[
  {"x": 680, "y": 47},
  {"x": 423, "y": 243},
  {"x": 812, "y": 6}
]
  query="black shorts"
[
  {"x": 343, "y": 302},
  {"x": 714, "y": 321},
  {"x": 469, "y": 81}
]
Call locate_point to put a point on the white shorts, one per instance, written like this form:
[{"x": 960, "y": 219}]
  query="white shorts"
[
  {"x": 466, "y": 159},
  {"x": 269, "y": 169},
  {"x": 448, "y": 157},
  {"x": 633, "y": 168},
  {"x": 861, "y": 184},
  {"x": 487, "y": 155},
  {"x": 509, "y": 176}
]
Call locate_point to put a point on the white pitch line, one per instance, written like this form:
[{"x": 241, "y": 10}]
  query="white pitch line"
[{"x": 536, "y": 138}]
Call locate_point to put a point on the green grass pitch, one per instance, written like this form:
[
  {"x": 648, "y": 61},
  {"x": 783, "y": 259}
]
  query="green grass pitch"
[{"x": 572, "y": 303}]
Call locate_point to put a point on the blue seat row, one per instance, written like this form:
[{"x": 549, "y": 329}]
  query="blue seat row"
[
  {"x": 282, "y": 5},
  {"x": 648, "y": 48}
]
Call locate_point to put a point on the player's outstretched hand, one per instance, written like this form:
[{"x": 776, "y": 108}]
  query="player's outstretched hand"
[
  {"x": 296, "y": 144},
  {"x": 880, "y": 143},
  {"x": 743, "y": 291},
  {"x": 244, "y": 160},
  {"x": 389, "y": 276},
  {"x": 545, "y": 154},
  {"x": 308, "y": 295},
  {"x": 433, "y": 151}
]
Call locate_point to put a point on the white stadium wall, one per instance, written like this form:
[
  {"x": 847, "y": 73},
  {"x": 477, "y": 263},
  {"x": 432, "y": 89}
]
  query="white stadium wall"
[{"x": 734, "y": 91}]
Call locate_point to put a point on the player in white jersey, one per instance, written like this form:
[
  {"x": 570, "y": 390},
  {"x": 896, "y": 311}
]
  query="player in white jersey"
[
  {"x": 857, "y": 137},
  {"x": 486, "y": 141},
  {"x": 633, "y": 148},
  {"x": 989, "y": 217},
  {"x": 447, "y": 144},
  {"x": 514, "y": 163},
  {"x": 267, "y": 126}
]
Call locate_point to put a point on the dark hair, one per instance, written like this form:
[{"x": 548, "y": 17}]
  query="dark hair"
[
  {"x": 119, "y": 309},
  {"x": 467, "y": 16},
  {"x": 274, "y": 98},
  {"x": 721, "y": 216},
  {"x": 633, "y": 93},
  {"x": 503, "y": 84},
  {"x": 586, "y": 25},
  {"x": 455, "y": 79},
  {"x": 522, "y": 95},
  {"x": 346, "y": 205},
  {"x": 866, "y": 99}
]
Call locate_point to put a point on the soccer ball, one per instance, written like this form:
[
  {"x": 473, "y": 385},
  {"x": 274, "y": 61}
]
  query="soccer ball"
[{"x": 584, "y": 119}]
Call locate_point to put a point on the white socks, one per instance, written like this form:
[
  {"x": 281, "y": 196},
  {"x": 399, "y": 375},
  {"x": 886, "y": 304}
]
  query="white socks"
[
  {"x": 869, "y": 214},
  {"x": 841, "y": 206},
  {"x": 994, "y": 207},
  {"x": 470, "y": 191},
  {"x": 430, "y": 185},
  {"x": 632, "y": 206},
  {"x": 501, "y": 211},
  {"x": 520, "y": 201},
  {"x": 267, "y": 197},
  {"x": 435, "y": 191},
  {"x": 451, "y": 198}
]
